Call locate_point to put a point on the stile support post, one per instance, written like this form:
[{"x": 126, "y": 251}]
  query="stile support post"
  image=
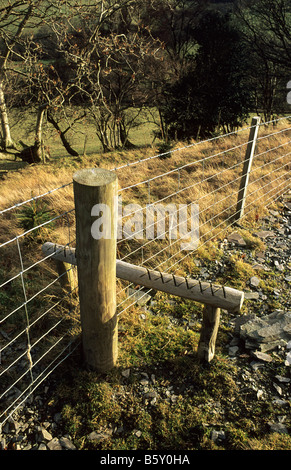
[
  {"x": 208, "y": 335},
  {"x": 95, "y": 192},
  {"x": 66, "y": 274},
  {"x": 247, "y": 168}
]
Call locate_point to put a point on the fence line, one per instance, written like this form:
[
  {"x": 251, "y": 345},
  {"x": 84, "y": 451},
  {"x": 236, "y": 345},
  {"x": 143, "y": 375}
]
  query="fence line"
[
  {"x": 39, "y": 321},
  {"x": 34, "y": 198},
  {"x": 271, "y": 199}
]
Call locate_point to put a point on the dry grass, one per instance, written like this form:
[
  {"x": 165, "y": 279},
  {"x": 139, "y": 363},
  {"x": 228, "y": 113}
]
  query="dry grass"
[
  {"x": 205, "y": 173},
  {"x": 210, "y": 170}
]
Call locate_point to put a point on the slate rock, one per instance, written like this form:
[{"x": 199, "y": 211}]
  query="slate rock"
[
  {"x": 54, "y": 444},
  {"x": 66, "y": 443},
  {"x": 236, "y": 238},
  {"x": 125, "y": 373},
  {"x": 254, "y": 281},
  {"x": 140, "y": 297},
  {"x": 262, "y": 356},
  {"x": 95, "y": 436},
  {"x": 44, "y": 435},
  {"x": 273, "y": 329},
  {"x": 278, "y": 427},
  {"x": 263, "y": 234},
  {"x": 218, "y": 436},
  {"x": 251, "y": 295}
]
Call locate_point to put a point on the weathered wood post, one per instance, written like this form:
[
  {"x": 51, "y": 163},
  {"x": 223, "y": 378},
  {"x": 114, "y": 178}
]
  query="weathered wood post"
[
  {"x": 247, "y": 168},
  {"x": 95, "y": 193},
  {"x": 207, "y": 341},
  {"x": 66, "y": 275}
]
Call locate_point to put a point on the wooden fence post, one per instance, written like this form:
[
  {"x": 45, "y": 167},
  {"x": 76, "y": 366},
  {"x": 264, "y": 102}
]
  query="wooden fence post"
[
  {"x": 247, "y": 168},
  {"x": 95, "y": 193}
]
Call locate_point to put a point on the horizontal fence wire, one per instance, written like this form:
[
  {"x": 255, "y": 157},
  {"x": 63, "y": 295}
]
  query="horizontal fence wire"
[
  {"x": 217, "y": 206},
  {"x": 39, "y": 319}
]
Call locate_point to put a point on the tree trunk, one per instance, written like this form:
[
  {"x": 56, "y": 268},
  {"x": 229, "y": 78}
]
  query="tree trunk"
[
  {"x": 40, "y": 152},
  {"x": 7, "y": 141},
  {"x": 125, "y": 142},
  {"x": 36, "y": 153},
  {"x": 63, "y": 138}
]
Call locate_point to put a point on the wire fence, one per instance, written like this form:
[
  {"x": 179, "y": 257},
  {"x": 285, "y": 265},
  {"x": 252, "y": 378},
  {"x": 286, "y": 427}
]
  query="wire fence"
[{"x": 39, "y": 317}]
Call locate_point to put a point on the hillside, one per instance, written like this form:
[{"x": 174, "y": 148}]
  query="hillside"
[
  {"x": 240, "y": 402},
  {"x": 159, "y": 397}
]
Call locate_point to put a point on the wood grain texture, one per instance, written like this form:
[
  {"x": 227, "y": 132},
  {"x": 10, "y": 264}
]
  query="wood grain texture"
[
  {"x": 217, "y": 296},
  {"x": 96, "y": 263},
  {"x": 208, "y": 335}
]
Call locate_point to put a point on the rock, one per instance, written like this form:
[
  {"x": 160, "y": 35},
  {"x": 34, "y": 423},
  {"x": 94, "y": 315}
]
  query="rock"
[
  {"x": 267, "y": 332},
  {"x": 262, "y": 356},
  {"x": 252, "y": 295},
  {"x": 66, "y": 443},
  {"x": 44, "y": 435},
  {"x": 95, "y": 436},
  {"x": 152, "y": 394},
  {"x": 278, "y": 388},
  {"x": 54, "y": 444},
  {"x": 241, "y": 320},
  {"x": 258, "y": 267},
  {"x": 282, "y": 379},
  {"x": 270, "y": 346},
  {"x": 280, "y": 402},
  {"x": 42, "y": 446},
  {"x": 278, "y": 427},
  {"x": 144, "y": 381},
  {"x": 288, "y": 359},
  {"x": 254, "y": 281},
  {"x": 125, "y": 373},
  {"x": 237, "y": 239},
  {"x": 233, "y": 350},
  {"x": 218, "y": 436},
  {"x": 139, "y": 296},
  {"x": 264, "y": 234}
]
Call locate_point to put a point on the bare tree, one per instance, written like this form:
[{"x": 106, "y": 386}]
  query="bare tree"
[
  {"x": 14, "y": 17},
  {"x": 23, "y": 54},
  {"x": 266, "y": 29},
  {"x": 110, "y": 56}
]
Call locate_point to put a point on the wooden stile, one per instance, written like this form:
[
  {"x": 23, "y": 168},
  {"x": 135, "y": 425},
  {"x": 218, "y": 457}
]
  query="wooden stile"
[{"x": 207, "y": 293}]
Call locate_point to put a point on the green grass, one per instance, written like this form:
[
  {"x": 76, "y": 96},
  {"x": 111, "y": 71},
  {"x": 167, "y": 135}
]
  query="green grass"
[{"x": 206, "y": 398}]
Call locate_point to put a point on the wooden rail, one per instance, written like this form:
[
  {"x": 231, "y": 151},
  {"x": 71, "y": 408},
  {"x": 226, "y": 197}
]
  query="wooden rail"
[{"x": 217, "y": 296}]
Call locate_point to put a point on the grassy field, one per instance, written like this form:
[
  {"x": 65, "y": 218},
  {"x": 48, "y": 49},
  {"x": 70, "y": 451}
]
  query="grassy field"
[{"x": 153, "y": 344}]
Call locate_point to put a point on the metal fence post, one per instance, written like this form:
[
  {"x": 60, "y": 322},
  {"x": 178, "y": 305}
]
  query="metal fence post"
[
  {"x": 247, "y": 168},
  {"x": 95, "y": 193}
]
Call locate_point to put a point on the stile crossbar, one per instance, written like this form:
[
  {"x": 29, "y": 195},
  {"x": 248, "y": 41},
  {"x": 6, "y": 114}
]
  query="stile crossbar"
[
  {"x": 214, "y": 297},
  {"x": 97, "y": 267}
]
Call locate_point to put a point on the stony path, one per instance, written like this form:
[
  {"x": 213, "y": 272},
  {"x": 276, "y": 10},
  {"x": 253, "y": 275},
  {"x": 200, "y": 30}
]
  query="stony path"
[{"x": 264, "y": 331}]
